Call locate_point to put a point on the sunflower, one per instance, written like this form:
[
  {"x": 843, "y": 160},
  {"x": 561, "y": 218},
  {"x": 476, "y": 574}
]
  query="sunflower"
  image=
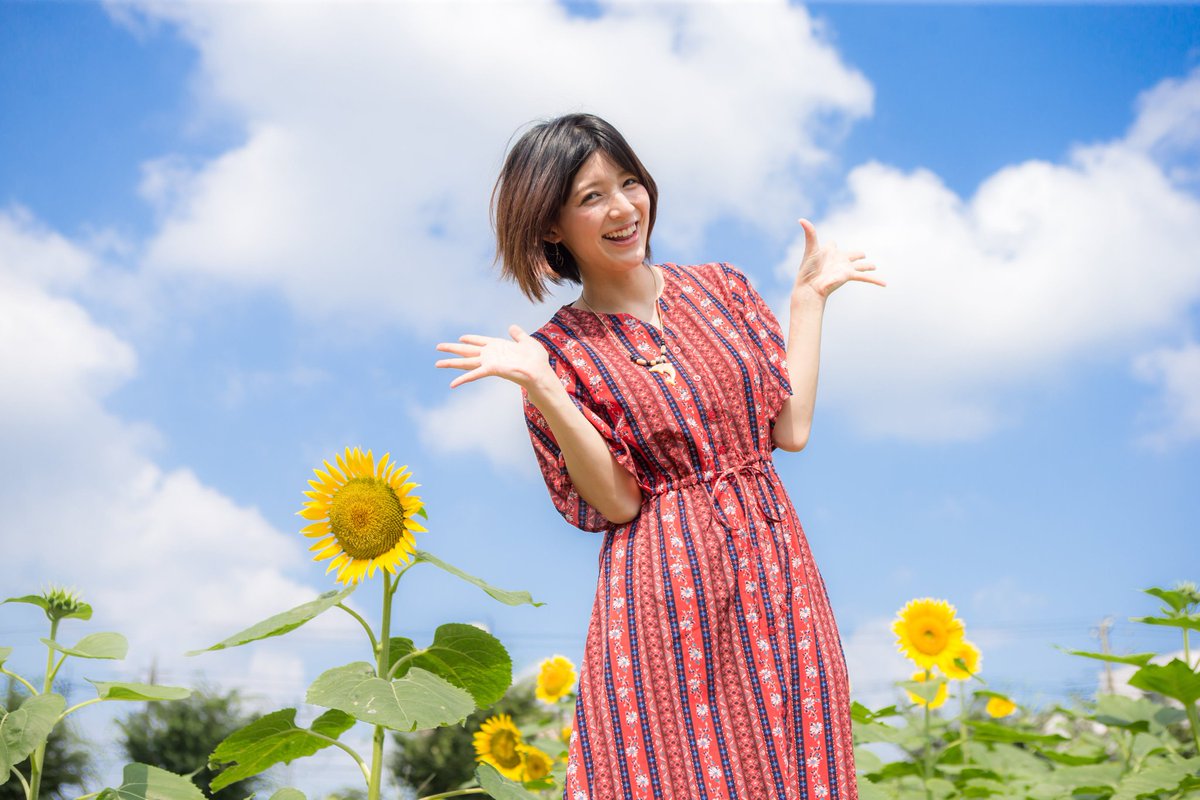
[
  {"x": 556, "y": 677},
  {"x": 965, "y": 652},
  {"x": 1000, "y": 707},
  {"x": 938, "y": 699},
  {"x": 363, "y": 515},
  {"x": 536, "y": 763},
  {"x": 499, "y": 743},
  {"x": 927, "y": 628}
]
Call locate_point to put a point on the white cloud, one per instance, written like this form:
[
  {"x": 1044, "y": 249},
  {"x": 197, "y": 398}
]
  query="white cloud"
[
  {"x": 1045, "y": 265},
  {"x": 167, "y": 560},
  {"x": 373, "y": 133},
  {"x": 874, "y": 663},
  {"x": 486, "y": 416},
  {"x": 1176, "y": 371}
]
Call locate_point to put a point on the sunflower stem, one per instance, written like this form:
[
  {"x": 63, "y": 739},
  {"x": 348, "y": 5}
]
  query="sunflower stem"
[
  {"x": 32, "y": 689},
  {"x": 402, "y": 661},
  {"x": 928, "y": 747},
  {"x": 454, "y": 793},
  {"x": 365, "y": 625},
  {"x": 366, "y": 771},
  {"x": 962, "y": 725},
  {"x": 21, "y": 778},
  {"x": 382, "y": 654},
  {"x": 39, "y": 755}
]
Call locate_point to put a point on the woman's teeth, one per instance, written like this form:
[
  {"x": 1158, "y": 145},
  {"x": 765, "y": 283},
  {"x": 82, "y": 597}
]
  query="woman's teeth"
[{"x": 624, "y": 233}]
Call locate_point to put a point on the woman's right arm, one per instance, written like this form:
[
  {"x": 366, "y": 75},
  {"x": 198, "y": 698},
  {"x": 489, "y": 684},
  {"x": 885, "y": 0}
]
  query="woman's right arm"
[{"x": 600, "y": 480}]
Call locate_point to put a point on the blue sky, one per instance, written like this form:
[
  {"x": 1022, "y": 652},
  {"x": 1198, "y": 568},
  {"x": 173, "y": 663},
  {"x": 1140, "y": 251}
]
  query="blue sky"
[{"x": 230, "y": 237}]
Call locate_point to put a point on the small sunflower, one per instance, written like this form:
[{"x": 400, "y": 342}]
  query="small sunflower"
[
  {"x": 363, "y": 515},
  {"x": 565, "y": 734},
  {"x": 938, "y": 699},
  {"x": 556, "y": 678},
  {"x": 965, "y": 652},
  {"x": 927, "y": 628},
  {"x": 536, "y": 763},
  {"x": 1000, "y": 707},
  {"x": 499, "y": 743}
]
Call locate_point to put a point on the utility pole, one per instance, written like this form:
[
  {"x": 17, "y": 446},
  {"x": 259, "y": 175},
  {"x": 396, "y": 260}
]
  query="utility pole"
[{"x": 1105, "y": 626}]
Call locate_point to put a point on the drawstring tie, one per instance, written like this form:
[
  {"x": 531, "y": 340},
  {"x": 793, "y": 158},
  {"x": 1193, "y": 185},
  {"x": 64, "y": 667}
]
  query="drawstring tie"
[{"x": 733, "y": 475}]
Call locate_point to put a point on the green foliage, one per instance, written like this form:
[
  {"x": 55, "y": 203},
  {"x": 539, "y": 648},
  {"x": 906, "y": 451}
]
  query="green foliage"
[
  {"x": 26, "y": 728},
  {"x": 443, "y": 759},
  {"x": 500, "y": 787},
  {"x": 179, "y": 735},
  {"x": 463, "y": 655},
  {"x": 68, "y": 760},
  {"x": 275, "y": 739},
  {"x": 418, "y": 700},
  {"x": 144, "y": 782},
  {"x": 283, "y": 622},
  {"x": 505, "y": 596},
  {"x": 1117, "y": 748},
  {"x": 26, "y": 731}
]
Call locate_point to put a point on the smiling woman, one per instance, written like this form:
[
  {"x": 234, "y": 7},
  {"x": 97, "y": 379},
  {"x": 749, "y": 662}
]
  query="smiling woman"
[{"x": 713, "y": 665}]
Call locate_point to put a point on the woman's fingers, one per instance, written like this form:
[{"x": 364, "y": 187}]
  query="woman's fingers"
[
  {"x": 475, "y": 339},
  {"x": 516, "y": 332},
  {"x": 458, "y": 363},
  {"x": 459, "y": 349},
  {"x": 810, "y": 236}
]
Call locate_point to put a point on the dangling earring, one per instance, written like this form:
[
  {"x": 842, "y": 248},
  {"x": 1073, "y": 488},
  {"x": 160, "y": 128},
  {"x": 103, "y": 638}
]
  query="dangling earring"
[{"x": 558, "y": 259}]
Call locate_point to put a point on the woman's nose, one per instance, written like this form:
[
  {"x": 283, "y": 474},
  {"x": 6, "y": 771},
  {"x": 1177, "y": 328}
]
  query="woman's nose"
[{"x": 620, "y": 205}]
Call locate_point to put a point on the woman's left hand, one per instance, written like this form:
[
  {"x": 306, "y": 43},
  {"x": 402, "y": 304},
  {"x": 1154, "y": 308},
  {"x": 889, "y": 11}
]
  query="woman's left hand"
[{"x": 825, "y": 267}]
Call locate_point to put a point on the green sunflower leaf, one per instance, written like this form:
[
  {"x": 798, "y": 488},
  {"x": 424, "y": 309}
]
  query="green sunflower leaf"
[
  {"x": 469, "y": 658},
  {"x": 1176, "y": 680},
  {"x": 986, "y": 731},
  {"x": 114, "y": 690},
  {"x": 26, "y": 728},
  {"x": 288, "y": 793},
  {"x": 1138, "y": 714},
  {"x": 418, "y": 701},
  {"x": 1176, "y": 599},
  {"x": 84, "y": 611},
  {"x": 1188, "y": 621},
  {"x": 94, "y": 645},
  {"x": 283, "y": 622},
  {"x": 5, "y": 652},
  {"x": 926, "y": 690},
  {"x": 398, "y": 648},
  {"x": 500, "y": 787},
  {"x": 1160, "y": 775},
  {"x": 144, "y": 782},
  {"x": 274, "y": 739},
  {"x": 505, "y": 596},
  {"x": 1136, "y": 659}
]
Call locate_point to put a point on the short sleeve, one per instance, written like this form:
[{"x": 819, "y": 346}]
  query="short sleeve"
[
  {"x": 574, "y": 508},
  {"x": 766, "y": 338}
]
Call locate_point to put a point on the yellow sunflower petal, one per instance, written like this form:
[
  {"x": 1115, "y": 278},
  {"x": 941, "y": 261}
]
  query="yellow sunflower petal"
[
  {"x": 323, "y": 543},
  {"x": 313, "y": 513},
  {"x": 379, "y": 470},
  {"x": 316, "y": 529}
]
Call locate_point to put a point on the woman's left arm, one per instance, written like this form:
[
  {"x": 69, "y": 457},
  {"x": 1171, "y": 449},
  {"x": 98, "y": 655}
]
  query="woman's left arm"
[{"x": 823, "y": 270}]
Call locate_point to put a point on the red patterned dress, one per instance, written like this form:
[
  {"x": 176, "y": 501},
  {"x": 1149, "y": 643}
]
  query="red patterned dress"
[{"x": 713, "y": 666}]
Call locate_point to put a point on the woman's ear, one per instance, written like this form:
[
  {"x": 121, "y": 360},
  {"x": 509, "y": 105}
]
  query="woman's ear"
[{"x": 552, "y": 236}]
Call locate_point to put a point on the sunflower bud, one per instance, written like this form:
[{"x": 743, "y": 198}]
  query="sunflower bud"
[{"x": 61, "y": 603}]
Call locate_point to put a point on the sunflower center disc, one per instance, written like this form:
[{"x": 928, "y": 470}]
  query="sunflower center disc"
[
  {"x": 504, "y": 749},
  {"x": 366, "y": 518}
]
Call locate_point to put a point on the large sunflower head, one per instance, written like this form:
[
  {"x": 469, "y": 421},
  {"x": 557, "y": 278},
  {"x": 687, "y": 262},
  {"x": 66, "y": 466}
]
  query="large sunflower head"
[
  {"x": 926, "y": 629},
  {"x": 555, "y": 679},
  {"x": 499, "y": 743},
  {"x": 938, "y": 699},
  {"x": 967, "y": 654},
  {"x": 363, "y": 515}
]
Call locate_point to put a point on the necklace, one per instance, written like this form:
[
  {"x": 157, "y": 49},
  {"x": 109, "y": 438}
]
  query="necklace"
[{"x": 661, "y": 363}]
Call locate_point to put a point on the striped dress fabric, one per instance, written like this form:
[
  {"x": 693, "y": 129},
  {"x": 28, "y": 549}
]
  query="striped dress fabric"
[{"x": 713, "y": 666}]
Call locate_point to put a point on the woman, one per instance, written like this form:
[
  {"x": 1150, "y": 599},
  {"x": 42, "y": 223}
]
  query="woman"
[{"x": 713, "y": 666}]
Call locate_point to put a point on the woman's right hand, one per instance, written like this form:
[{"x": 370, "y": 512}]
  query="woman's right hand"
[{"x": 521, "y": 360}]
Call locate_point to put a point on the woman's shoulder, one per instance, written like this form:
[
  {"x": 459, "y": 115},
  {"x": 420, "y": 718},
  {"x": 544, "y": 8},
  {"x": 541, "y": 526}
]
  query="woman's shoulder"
[{"x": 715, "y": 276}]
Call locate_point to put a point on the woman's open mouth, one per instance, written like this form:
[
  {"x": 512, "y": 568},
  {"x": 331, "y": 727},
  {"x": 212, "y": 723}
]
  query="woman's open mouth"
[{"x": 623, "y": 236}]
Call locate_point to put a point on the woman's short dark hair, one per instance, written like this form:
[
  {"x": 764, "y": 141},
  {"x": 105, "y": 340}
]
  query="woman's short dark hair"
[{"x": 534, "y": 185}]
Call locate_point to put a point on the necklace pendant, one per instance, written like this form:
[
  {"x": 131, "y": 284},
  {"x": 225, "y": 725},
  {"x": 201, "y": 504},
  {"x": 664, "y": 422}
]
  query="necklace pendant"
[{"x": 667, "y": 370}]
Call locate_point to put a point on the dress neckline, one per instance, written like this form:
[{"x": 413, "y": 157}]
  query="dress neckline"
[{"x": 662, "y": 303}]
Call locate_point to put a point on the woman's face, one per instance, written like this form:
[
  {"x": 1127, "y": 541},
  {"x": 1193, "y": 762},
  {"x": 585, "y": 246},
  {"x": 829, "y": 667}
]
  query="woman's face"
[{"x": 604, "y": 221}]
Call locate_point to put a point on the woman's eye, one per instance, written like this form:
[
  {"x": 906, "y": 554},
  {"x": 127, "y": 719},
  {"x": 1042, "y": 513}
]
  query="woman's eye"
[
  {"x": 589, "y": 197},
  {"x": 630, "y": 181}
]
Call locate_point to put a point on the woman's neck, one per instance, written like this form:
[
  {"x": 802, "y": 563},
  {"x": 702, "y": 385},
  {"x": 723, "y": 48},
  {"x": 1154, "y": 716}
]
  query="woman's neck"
[{"x": 635, "y": 292}]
